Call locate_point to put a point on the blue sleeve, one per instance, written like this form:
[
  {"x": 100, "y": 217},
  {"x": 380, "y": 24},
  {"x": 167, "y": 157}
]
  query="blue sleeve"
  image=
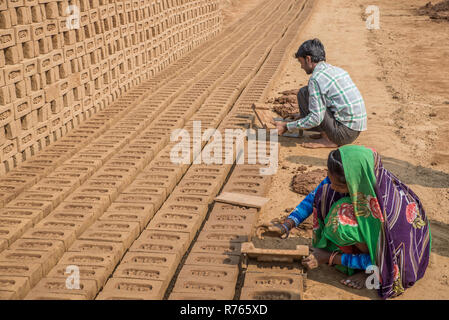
[
  {"x": 356, "y": 261},
  {"x": 305, "y": 208}
]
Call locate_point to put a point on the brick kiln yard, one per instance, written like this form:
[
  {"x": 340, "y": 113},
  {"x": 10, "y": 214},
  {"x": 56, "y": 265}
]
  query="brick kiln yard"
[{"x": 86, "y": 177}]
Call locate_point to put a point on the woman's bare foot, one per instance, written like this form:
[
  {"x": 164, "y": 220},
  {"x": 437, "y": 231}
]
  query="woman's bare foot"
[
  {"x": 356, "y": 281},
  {"x": 320, "y": 143}
]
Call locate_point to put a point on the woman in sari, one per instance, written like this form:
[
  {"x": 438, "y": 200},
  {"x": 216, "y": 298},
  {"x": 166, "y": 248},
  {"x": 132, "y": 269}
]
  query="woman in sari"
[{"x": 363, "y": 216}]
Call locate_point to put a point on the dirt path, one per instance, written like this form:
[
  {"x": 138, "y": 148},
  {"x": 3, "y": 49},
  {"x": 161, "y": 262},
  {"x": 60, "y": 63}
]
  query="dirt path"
[{"x": 399, "y": 70}]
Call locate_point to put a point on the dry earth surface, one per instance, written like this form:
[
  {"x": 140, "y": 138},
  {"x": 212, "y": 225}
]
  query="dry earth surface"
[{"x": 402, "y": 71}]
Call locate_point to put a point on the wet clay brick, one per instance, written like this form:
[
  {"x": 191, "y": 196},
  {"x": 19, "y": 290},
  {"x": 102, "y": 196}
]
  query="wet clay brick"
[
  {"x": 110, "y": 193},
  {"x": 88, "y": 288},
  {"x": 70, "y": 184},
  {"x": 111, "y": 248},
  {"x": 166, "y": 260},
  {"x": 218, "y": 273},
  {"x": 55, "y": 246},
  {"x": 274, "y": 267},
  {"x": 32, "y": 271},
  {"x": 44, "y": 206},
  {"x": 156, "y": 180},
  {"x": 159, "y": 246},
  {"x": 141, "y": 208},
  {"x": 163, "y": 237},
  {"x": 102, "y": 201},
  {"x": 16, "y": 227},
  {"x": 141, "y": 218},
  {"x": 19, "y": 285},
  {"x": 98, "y": 274},
  {"x": 217, "y": 247},
  {"x": 207, "y": 235},
  {"x": 250, "y": 188},
  {"x": 215, "y": 226},
  {"x": 155, "y": 200},
  {"x": 200, "y": 210},
  {"x": 59, "y": 193},
  {"x": 217, "y": 289},
  {"x": 124, "y": 237},
  {"x": 231, "y": 208},
  {"x": 84, "y": 218},
  {"x": 65, "y": 235},
  {"x": 269, "y": 294},
  {"x": 194, "y": 296},
  {"x": 274, "y": 281},
  {"x": 89, "y": 259},
  {"x": 118, "y": 288},
  {"x": 194, "y": 187},
  {"x": 204, "y": 259},
  {"x": 143, "y": 272},
  {"x": 104, "y": 184},
  {"x": 243, "y": 218},
  {"x": 77, "y": 207},
  {"x": 176, "y": 198},
  {"x": 176, "y": 225},
  {"x": 76, "y": 226},
  {"x": 161, "y": 192},
  {"x": 131, "y": 227},
  {"x": 47, "y": 259},
  {"x": 177, "y": 172},
  {"x": 3, "y": 244},
  {"x": 54, "y": 198}
]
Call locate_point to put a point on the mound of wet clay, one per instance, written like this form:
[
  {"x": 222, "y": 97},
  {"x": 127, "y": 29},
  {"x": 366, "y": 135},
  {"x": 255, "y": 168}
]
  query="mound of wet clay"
[
  {"x": 285, "y": 110},
  {"x": 436, "y": 11},
  {"x": 305, "y": 182},
  {"x": 280, "y": 244}
]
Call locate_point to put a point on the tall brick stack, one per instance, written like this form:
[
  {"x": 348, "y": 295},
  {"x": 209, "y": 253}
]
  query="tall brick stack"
[{"x": 53, "y": 75}]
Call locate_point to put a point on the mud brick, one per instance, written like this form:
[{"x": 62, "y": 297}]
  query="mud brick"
[
  {"x": 22, "y": 33},
  {"x": 28, "y": 270},
  {"x": 106, "y": 225},
  {"x": 274, "y": 267},
  {"x": 241, "y": 218},
  {"x": 244, "y": 187},
  {"x": 47, "y": 259},
  {"x": 10, "y": 234},
  {"x": 55, "y": 246},
  {"x": 194, "y": 187},
  {"x": 76, "y": 207},
  {"x": 155, "y": 200},
  {"x": 216, "y": 273},
  {"x": 78, "y": 222},
  {"x": 7, "y": 38},
  {"x": 110, "y": 193},
  {"x": 213, "y": 287},
  {"x": 114, "y": 249},
  {"x": 13, "y": 73},
  {"x": 214, "y": 226},
  {"x": 25, "y": 140},
  {"x": 88, "y": 288},
  {"x": 3, "y": 244},
  {"x": 217, "y": 247},
  {"x": 75, "y": 226},
  {"x": 102, "y": 200},
  {"x": 95, "y": 273},
  {"x": 37, "y": 99},
  {"x": 14, "y": 54},
  {"x": 8, "y": 193},
  {"x": 233, "y": 209},
  {"x": 44, "y": 206},
  {"x": 83, "y": 172},
  {"x": 66, "y": 183},
  {"x": 65, "y": 235},
  {"x": 154, "y": 259},
  {"x": 176, "y": 199},
  {"x": 17, "y": 225},
  {"x": 19, "y": 285},
  {"x": 126, "y": 174},
  {"x": 177, "y": 224},
  {"x": 6, "y": 114},
  {"x": 5, "y": 95},
  {"x": 96, "y": 259},
  {"x": 207, "y": 235},
  {"x": 119, "y": 288},
  {"x": 55, "y": 197},
  {"x": 249, "y": 293},
  {"x": 69, "y": 52},
  {"x": 165, "y": 171},
  {"x": 143, "y": 272},
  {"x": 95, "y": 234},
  {"x": 151, "y": 241},
  {"x": 268, "y": 281},
  {"x": 33, "y": 215}
]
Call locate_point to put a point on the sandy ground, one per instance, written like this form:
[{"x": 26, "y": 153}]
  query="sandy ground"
[
  {"x": 402, "y": 71},
  {"x": 234, "y": 10}
]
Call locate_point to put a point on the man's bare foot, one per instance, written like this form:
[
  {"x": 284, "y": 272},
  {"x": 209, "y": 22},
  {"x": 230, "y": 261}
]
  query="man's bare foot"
[
  {"x": 320, "y": 143},
  {"x": 356, "y": 281}
]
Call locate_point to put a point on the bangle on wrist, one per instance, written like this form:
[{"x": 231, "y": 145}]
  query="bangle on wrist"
[{"x": 332, "y": 257}]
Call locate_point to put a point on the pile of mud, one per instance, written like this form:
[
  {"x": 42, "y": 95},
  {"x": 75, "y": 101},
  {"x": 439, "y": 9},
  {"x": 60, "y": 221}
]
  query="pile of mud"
[
  {"x": 287, "y": 104},
  {"x": 436, "y": 11},
  {"x": 305, "y": 182}
]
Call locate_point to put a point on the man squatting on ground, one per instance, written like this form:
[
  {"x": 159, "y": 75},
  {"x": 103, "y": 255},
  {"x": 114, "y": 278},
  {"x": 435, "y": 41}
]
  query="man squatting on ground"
[{"x": 330, "y": 103}]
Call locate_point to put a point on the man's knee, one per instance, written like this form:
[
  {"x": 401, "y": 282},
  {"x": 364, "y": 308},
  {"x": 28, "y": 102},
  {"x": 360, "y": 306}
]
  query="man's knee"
[{"x": 303, "y": 100}]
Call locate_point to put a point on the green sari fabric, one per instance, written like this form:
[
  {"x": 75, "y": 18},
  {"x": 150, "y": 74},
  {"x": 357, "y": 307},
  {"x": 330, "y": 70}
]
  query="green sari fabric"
[{"x": 356, "y": 218}]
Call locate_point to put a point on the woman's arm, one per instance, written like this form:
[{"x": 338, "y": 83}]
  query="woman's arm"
[
  {"x": 354, "y": 261},
  {"x": 305, "y": 208}
]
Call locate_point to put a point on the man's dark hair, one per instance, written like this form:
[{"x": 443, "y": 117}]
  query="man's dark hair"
[{"x": 313, "y": 48}]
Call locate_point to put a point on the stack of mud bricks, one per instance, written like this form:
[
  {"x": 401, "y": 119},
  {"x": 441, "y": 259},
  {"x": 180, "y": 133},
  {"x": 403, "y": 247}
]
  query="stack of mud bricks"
[{"x": 61, "y": 61}]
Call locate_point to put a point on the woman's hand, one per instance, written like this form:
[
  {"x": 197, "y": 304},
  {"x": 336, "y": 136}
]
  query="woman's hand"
[
  {"x": 316, "y": 258},
  {"x": 281, "y": 127},
  {"x": 271, "y": 230}
]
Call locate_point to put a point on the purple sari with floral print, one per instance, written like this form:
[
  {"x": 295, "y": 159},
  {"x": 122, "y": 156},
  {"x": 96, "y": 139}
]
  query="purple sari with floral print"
[{"x": 403, "y": 245}]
